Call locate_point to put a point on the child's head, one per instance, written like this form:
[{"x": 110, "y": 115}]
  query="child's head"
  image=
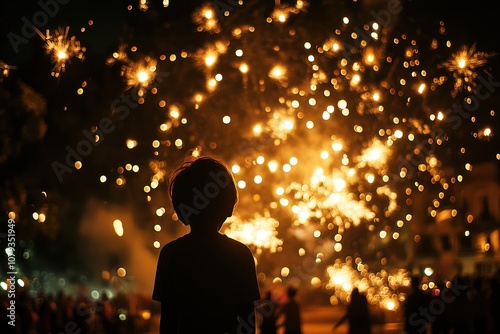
[{"x": 203, "y": 191}]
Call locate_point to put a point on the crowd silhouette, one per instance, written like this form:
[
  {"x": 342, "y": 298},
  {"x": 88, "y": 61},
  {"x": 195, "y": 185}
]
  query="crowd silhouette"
[
  {"x": 476, "y": 310},
  {"x": 465, "y": 305},
  {"x": 279, "y": 317},
  {"x": 415, "y": 299},
  {"x": 56, "y": 313}
]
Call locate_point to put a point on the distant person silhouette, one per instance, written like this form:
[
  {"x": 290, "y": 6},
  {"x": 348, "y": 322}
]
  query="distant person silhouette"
[
  {"x": 358, "y": 314},
  {"x": 267, "y": 311},
  {"x": 458, "y": 312},
  {"x": 479, "y": 306},
  {"x": 291, "y": 311},
  {"x": 106, "y": 314},
  {"x": 416, "y": 299},
  {"x": 439, "y": 320},
  {"x": 205, "y": 281},
  {"x": 494, "y": 302}
]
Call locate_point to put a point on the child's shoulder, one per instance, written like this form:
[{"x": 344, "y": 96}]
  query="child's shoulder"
[
  {"x": 236, "y": 244},
  {"x": 175, "y": 243}
]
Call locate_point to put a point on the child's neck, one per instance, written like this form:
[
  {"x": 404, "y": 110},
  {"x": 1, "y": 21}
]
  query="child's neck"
[{"x": 204, "y": 231}]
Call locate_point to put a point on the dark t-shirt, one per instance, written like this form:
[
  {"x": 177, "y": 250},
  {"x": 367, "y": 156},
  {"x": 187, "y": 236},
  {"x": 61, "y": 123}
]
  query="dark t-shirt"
[{"x": 204, "y": 283}]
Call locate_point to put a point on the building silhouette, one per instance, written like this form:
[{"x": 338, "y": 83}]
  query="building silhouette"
[{"x": 462, "y": 236}]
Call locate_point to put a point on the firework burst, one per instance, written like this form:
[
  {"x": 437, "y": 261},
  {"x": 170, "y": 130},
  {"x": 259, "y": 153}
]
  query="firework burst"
[
  {"x": 139, "y": 74},
  {"x": 62, "y": 49},
  {"x": 464, "y": 64},
  {"x": 259, "y": 232}
]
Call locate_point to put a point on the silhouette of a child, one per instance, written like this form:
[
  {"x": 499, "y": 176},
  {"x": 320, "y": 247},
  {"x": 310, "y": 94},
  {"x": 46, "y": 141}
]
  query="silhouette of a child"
[{"x": 205, "y": 281}]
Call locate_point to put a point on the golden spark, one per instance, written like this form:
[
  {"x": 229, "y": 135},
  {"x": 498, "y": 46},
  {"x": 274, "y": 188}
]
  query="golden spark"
[
  {"x": 464, "y": 64},
  {"x": 141, "y": 73},
  {"x": 5, "y": 70},
  {"x": 62, "y": 49}
]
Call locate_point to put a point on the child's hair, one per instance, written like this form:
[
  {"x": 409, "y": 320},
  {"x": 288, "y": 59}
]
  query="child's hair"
[{"x": 203, "y": 191}]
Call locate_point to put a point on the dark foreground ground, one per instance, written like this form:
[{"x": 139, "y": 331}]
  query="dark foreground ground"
[{"x": 320, "y": 320}]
